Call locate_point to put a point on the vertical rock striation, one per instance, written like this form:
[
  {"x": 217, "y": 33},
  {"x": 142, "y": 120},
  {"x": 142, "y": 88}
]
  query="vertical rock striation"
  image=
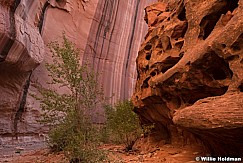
[
  {"x": 107, "y": 32},
  {"x": 113, "y": 43},
  {"x": 21, "y": 50}
]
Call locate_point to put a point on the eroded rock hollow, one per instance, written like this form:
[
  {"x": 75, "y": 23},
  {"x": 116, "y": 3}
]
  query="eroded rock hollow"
[{"x": 190, "y": 73}]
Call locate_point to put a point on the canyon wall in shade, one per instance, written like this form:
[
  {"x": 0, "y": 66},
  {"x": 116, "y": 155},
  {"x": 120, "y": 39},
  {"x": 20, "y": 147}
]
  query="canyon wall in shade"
[
  {"x": 107, "y": 32},
  {"x": 113, "y": 44}
]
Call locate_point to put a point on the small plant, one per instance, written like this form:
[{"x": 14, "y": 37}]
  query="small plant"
[
  {"x": 69, "y": 115},
  {"x": 123, "y": 124}
]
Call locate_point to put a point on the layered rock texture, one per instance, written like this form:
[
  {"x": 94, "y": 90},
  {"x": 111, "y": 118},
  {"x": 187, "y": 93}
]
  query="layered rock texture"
[
  {"x": 190, "y": 73},
  {"x": 108, "y": 33},
  {"x": 113, "y": 44},
  {"x": 21, "y": 50}
]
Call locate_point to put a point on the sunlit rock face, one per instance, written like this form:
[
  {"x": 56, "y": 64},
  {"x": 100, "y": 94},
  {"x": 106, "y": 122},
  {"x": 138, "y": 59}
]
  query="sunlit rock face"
[
  {"x": 108, "y": 34},
  {"x": 190, "y": 73}
]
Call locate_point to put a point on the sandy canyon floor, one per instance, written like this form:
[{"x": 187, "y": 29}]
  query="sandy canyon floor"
[{"x": 38, "y": 153}]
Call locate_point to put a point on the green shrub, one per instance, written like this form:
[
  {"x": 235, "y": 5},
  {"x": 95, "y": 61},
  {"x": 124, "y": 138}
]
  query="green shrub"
[
  {"x": 122, "y": 124},
  {"x": 69, "y": 115}
]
